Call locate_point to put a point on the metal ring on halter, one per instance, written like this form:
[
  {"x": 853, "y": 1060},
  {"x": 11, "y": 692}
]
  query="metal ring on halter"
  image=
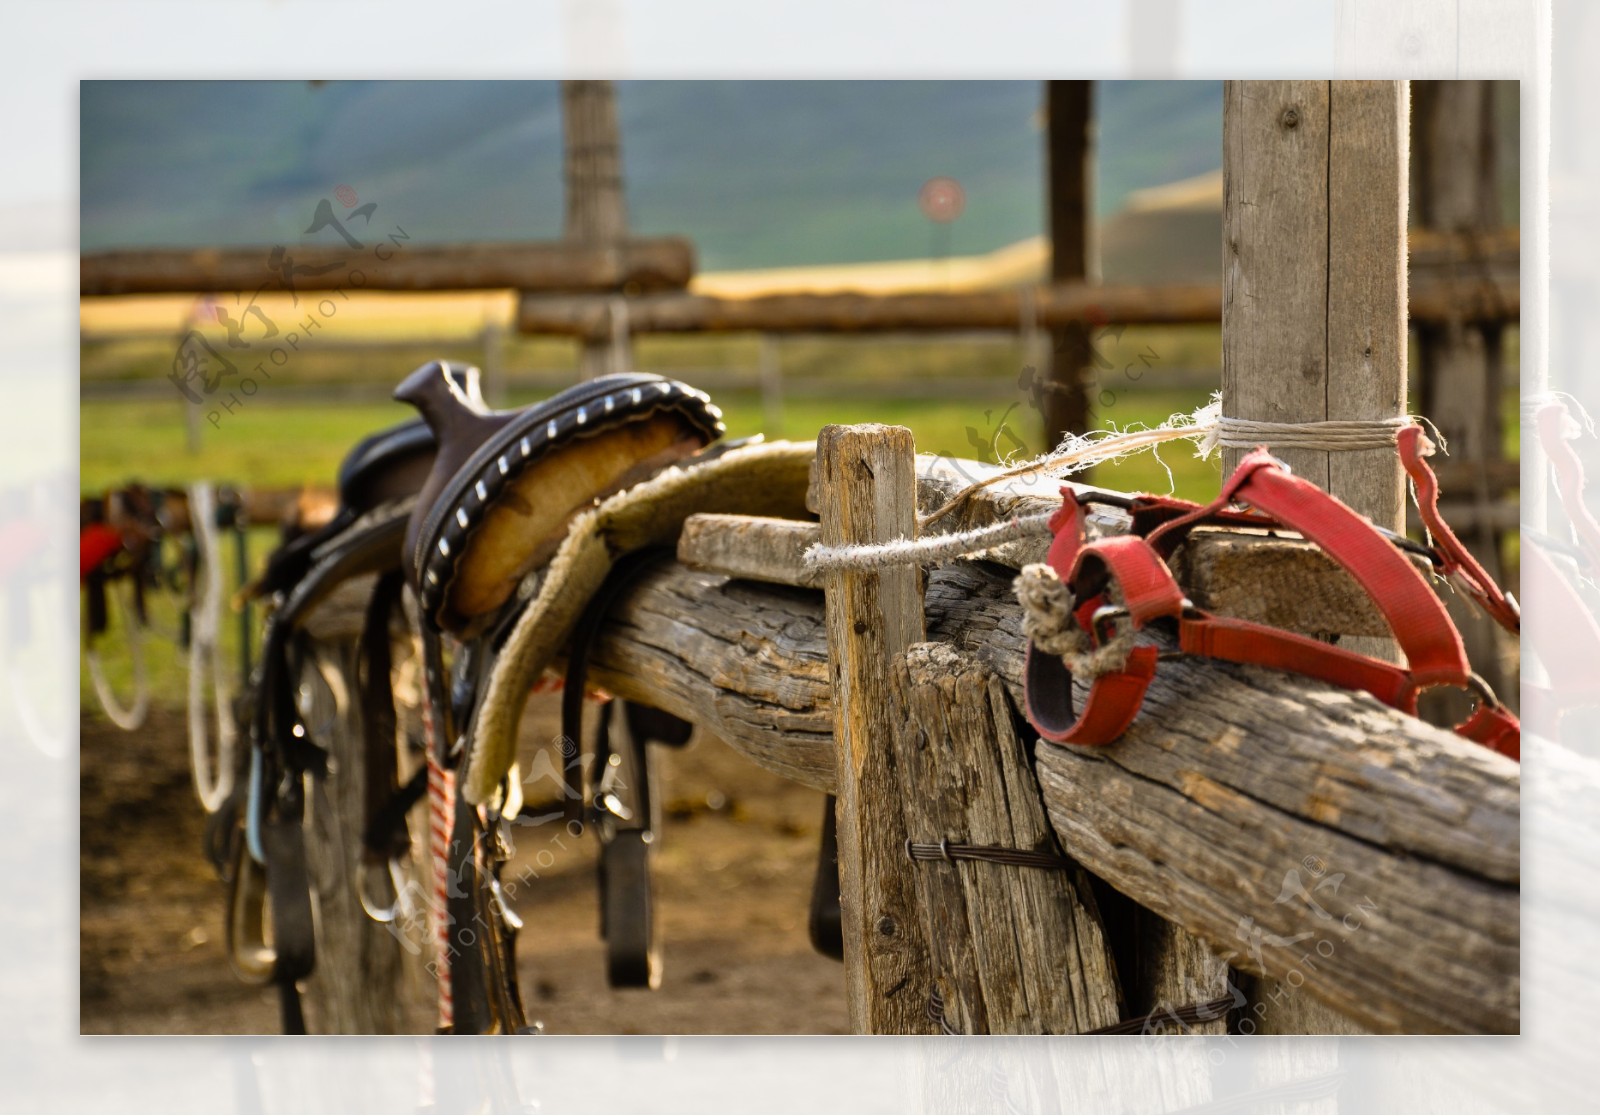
[
  {"x": 1474, "y": 683},
  {"x": 402, "y": 905},
  {"x": 1106, "y": 614},
  {"x": 124, "y": 718}
]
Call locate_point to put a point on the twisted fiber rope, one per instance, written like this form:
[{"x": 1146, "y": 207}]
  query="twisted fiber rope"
[
  {"x": 927, "y": 550},
  {"x": 1207, "y": 427},
  {"x": 1047, "y": 621},
  {"x": 1335, "y": 436}
]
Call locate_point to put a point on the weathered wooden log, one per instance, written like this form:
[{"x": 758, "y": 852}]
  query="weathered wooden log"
[
  {"x": 854, "y": 312},
  {"x": 1231, "y": 778},
  {"x": 656, "y": 264},
  {"x": 868, "y": 485},
  {"x": 1016, "y": 949},
  {"x": 1438, "y": 293}
]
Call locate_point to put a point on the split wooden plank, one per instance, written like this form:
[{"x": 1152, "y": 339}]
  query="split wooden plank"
[
  {"x": 1015, "y": 950},
  {"x": 755, "y": 547},
  {"x": 868, "y": 494}
]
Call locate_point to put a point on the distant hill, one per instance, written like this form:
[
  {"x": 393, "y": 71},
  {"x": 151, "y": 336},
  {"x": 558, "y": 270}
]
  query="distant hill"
[{"x": 758, "y": 174}]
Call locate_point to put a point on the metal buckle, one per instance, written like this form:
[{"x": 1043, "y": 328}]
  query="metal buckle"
[
  {"x": 1474, "y": 683},
  {"x": 1106, "y": 614}
]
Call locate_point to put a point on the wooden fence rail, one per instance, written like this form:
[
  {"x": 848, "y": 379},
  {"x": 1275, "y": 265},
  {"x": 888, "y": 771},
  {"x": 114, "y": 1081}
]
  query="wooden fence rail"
[
  {"x": 1452, "y": 278},
  {"x": 1304, "y": 833},
  {"x": 662, "y": 263}
]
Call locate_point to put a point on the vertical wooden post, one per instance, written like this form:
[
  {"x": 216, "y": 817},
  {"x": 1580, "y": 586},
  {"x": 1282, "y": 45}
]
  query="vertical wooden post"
[
  {"x": 1314, "y": 306},
  {"x": 1015, "y": 949},
  {"x": 1460, "y": 371},
  {"x": 1314, "y": 280},
  {"x": 1069, "y": 108},
  {"x": 596, "y": 210},
  {"x": 867, "y": 493}
]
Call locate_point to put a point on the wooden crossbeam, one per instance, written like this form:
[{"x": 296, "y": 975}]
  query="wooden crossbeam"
[{"x": 661, "y": 263}]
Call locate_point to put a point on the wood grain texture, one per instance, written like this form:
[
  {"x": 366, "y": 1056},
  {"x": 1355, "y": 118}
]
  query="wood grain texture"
[
  {"x": 750, "y": 546},
  {"x": 1230, "y": 776},
  {"x": 1275, "y": 137},
  {"x": 1368, "y": 173},
  {"x": 366, "y": 982},
  {"x": 1015, "y": 950},
  {"x": 867, "y": 492}
]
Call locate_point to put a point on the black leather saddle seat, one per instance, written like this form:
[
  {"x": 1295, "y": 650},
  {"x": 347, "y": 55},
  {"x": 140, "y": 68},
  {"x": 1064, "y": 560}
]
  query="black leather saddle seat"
[
  {"x": 389, "y": 465},
  {"x": 504, "y": 483}
]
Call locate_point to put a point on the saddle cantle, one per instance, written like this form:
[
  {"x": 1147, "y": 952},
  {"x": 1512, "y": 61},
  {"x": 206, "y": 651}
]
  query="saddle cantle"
[{"x": 504, "y": 484}]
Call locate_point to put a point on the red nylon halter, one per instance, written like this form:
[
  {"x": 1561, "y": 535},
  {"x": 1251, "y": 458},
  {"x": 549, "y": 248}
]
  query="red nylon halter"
[{"x": 1137, "y": 564}]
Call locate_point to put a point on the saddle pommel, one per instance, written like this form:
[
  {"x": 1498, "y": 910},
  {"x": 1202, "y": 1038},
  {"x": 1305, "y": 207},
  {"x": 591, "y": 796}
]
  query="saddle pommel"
[{"x": 443, "y": 392}]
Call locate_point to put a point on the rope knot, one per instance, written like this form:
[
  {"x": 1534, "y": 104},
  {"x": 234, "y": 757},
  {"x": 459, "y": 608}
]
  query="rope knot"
[{"x": 1047, "y": 621}]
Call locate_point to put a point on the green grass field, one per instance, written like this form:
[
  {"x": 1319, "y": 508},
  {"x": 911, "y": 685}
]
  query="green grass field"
[{"x": 270, "y": 443}]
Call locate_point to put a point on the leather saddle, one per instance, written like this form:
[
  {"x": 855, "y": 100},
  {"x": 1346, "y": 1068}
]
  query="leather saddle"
[{"x": 504, "y": 484}]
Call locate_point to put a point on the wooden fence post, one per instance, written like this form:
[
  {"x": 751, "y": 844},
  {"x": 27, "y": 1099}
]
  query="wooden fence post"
[
  {"x": 1314, "y": 303},
  {"x": 867, "y": 493},
  {"x": 1015, "y": 949},
  {"x": 1069, "y": 106},
  {"x": 596, "y": 211}
]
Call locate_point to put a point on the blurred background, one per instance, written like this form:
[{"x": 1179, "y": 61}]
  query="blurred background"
[{"x": 771, "y": 220}]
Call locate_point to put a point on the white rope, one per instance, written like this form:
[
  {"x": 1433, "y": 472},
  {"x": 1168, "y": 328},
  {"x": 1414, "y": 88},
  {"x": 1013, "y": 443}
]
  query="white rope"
[
  {"x": 1206, "y": 426},
  {"x": 1335, "y": 436},
  {"x": 928, "y": 549},
  {"x": 211, "y": 785}
]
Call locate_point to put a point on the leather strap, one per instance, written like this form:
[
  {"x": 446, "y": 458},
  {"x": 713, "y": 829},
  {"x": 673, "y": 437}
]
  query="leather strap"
[
  {"x": 384, "y": 833},
  {"x": 1456, "y": 561},
  {"x": 1137, "y": 567}
]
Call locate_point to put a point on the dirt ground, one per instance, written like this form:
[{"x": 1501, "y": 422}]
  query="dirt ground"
[{"x": 733, "y": 880}]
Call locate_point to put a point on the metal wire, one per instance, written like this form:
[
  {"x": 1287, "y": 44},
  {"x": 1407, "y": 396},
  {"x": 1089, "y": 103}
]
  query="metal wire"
[{"x": 947, "y": 850}]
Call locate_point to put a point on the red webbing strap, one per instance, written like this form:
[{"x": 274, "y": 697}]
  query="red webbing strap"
[
  {"x": 1241, "y": 641},
  {"x": 1148, "y": 592},
  {"x": 1455, "y": 559},
  {"x": 1496, "y": 727},
  {"x": 1421, "y": 625},
  {"x": 1109, "y": 710},
  {"x": 1431, "y": 644},
  {"x": 1067, "y": 524}
]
